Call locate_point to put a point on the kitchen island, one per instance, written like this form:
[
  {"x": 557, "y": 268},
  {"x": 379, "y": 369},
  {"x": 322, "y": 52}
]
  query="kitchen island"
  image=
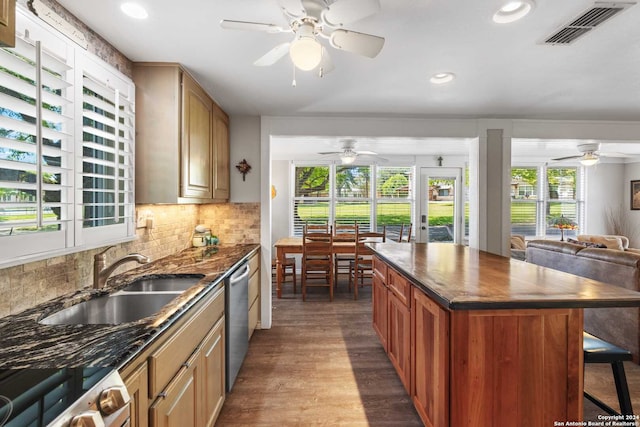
[{"x": 478, "y": 339}]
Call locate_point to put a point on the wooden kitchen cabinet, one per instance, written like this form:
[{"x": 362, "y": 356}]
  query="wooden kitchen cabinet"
[
  {"x": 213, "y": 390},
  {"x": 181, "y": 402},
  {"x": 399, "y": 339},
  {"x": 7, "y": 23},
  {"x": 137, "y": 386},
  {"x": 429, "y": 360},
  {"x": 380, "y": 302},
  {"x": 180, "y": 379},
  {"x": 254, "y": 292},
  {"x": 182, "y": 138}
]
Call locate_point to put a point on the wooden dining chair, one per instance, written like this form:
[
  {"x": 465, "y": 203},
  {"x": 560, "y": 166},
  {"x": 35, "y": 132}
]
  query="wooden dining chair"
[
  {"x": 288, "y": 269},
  {"x": 316, "y": 227},
  {"x": 317, "y": 261},
  {"x": 343, "y": 232},
  {"x": 401, "y": 237},
  {"x": 362, "y": 267}
]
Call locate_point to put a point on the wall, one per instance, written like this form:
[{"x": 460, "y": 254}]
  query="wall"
[
  {"x": 233, "y": 223},
  {"x": 604, "y": 192},
  {"x": 244, "y": 135}
]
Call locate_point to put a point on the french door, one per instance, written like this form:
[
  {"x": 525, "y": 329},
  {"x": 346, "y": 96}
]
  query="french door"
[{"x": 442, "y": 207}]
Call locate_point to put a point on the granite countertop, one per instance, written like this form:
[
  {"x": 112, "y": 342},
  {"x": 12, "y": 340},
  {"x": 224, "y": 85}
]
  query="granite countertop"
[
  {"x": 461, "y": 278},
  {"x": 28, "y": 344}
]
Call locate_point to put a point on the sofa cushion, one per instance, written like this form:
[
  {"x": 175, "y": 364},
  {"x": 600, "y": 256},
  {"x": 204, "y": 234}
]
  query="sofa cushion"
[
  {"x": 587, "y": 244},
  {"x": 603, "y": 238},
  {"x": 622, "y": 258},
  {"x": 556, "y": 246}
]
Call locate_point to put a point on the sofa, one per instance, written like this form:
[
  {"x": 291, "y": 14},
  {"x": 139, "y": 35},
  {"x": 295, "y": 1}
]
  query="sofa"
[{"x": 619, "y": 326}]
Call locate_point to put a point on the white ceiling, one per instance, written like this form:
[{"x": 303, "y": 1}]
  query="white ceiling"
[{"x": 502, "y": 70}]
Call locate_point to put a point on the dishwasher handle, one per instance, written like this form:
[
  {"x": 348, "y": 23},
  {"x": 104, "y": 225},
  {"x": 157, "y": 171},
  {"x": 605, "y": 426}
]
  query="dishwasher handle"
[{"x": 239, "y": 275}]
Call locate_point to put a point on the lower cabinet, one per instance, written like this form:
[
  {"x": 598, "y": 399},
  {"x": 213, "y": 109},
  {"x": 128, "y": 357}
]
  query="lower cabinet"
[
  {"x": 399, "y": 339},
  {"x": 180, "y": 403},
  {"x": 137, "y": 384},
  {"x": 180, "y": 380},
  {"x": 430, "y": 360},
  {"x": 380, "y": 309},
  {"x": 254, "y": 292}
]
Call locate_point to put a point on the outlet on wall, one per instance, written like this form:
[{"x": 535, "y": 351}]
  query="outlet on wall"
[{"x": 144, "y": 220}]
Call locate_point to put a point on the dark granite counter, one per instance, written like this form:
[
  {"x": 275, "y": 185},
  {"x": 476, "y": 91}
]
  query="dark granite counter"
[
  {"x": 461, "y": 278},
  {"x": 28, "y": 344}
]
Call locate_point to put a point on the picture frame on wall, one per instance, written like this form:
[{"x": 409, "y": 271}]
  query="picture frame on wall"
[{"x": 635, "y": 195}]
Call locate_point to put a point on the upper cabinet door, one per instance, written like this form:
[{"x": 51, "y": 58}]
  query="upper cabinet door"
[
  {"x": 221, "y": 154},
  {"x": 8, "y": 23},
  {"x": 197, "y": 143}
]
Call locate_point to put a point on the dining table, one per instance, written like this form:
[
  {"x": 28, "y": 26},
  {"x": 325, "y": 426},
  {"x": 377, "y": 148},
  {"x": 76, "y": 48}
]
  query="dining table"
[{"x": 293, "y": 245}]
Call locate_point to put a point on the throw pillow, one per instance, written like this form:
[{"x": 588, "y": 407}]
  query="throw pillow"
[
  {"x": 517, "y": 242},
  {"x": 586, "y": 244},
  {"x": 609, "y": 242}
]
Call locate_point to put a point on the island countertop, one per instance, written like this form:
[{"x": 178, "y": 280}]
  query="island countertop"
[
  {"x": 460, "y": 278},
  {"x": 29, "y": 344}
]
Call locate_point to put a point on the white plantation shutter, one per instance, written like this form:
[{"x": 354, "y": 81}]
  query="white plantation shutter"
[
  {"x": 105, "y": 196},
  {"x": 66, "y": 147},
  {"x": 36, "y": 139}
]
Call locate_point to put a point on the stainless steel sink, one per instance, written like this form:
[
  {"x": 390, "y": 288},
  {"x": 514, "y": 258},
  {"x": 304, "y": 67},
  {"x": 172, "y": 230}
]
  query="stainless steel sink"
[
  {"x": 111, "y": 309},
  {"x": 172, "y": 283}
]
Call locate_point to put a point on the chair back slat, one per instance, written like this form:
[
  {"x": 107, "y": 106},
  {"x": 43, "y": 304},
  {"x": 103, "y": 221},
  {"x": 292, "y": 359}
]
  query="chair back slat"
[{"x": 345, "y": 232}]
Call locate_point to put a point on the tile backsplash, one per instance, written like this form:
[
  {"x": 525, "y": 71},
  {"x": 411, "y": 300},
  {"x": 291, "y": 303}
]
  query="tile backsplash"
[{"x": 27, "y": 285}]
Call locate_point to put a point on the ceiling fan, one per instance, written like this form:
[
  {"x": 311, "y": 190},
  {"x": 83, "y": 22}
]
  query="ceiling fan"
[
  {"x": 349, "y": 155},
  {"x": 311, "y": 20},
  {"x": 589, "y": 154}
]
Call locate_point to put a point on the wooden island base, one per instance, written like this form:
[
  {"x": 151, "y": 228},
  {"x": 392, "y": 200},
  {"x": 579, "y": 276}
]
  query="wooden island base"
[{"x": 480, "y": 340}]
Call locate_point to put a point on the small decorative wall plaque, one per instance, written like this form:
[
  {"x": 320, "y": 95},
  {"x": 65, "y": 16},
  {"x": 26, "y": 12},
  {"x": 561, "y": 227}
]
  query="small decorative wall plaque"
[{"x": 244, "y": 168}]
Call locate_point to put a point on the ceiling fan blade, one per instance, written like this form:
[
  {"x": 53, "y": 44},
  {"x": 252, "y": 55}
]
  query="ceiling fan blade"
[
  {"x": 567, "y": 158},
  {"x": 363, "y": 44},
  {"x": 327, "y": 153},
  {"x": 326, "y": 65},
  {"x": 273, "y": 56},
  {"x": 347, "y": 11},
  {"x": 612, "y": 154},
  {"x": 367, "y": 153},
  {"x": 251, "y": 26},
  {"x": 370, "y": 158},
  {"x": 292, "y": 8}
]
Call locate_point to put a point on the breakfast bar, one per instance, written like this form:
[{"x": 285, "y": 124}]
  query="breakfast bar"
[{"x": 476, "y": 337}]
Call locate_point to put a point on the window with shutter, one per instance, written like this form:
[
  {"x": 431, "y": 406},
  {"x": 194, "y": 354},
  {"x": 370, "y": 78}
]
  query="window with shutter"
[
  {"x": 66, "y": 147},
  {"x": 36, "y": 116}
]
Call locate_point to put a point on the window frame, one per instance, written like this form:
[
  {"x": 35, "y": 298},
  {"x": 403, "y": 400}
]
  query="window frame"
[{"x": 333, "y": 199}]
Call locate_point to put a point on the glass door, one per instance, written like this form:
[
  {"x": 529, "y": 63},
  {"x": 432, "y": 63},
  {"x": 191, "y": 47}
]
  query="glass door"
[{"x": 441, "y": 215}]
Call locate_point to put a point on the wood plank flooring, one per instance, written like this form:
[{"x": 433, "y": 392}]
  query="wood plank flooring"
[{"x": 321, "y": 364}]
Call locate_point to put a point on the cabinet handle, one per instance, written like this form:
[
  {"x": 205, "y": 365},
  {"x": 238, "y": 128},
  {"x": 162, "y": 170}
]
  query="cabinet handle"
[
  {"x": 163, "y": 394},
  {"x": 186, "y": 364}
]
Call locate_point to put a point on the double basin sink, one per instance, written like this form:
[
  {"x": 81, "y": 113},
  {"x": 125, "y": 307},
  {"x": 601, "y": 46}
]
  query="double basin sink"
[{"x": 141, "y": 298}]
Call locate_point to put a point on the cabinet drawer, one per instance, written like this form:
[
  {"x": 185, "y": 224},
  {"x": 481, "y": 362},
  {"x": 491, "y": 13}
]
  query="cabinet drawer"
[
  {"x": 254, "y": 288},
  {"x": 400, "y": 287},
  {"x": 254, "y": 263},
  {"x": 380, "y": 268},
  {"x": 167, "y": 360}
]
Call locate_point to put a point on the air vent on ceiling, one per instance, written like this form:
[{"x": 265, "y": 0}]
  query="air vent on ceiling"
[{"x": 586, "y": 21}]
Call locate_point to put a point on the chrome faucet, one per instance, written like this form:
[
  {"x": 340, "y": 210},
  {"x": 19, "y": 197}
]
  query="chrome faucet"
[{"x": 102, "y": 273}]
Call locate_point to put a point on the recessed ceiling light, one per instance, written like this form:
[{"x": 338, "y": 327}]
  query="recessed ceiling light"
[
  {"x": 442, "y": 78},
  {"x": 134, "y": 10},
  {"x": 512, "y": 11}
]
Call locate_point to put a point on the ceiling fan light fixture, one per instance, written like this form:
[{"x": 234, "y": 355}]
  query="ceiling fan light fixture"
[
  {"x": 305, "y": 50},
  {"x": 442, "y": 78},
  {"x": 512, "y": 11},
  {"x": 589, "y": 159},
  {"x": 134, "y": 10},
  {"x": 348, "y": 157}
]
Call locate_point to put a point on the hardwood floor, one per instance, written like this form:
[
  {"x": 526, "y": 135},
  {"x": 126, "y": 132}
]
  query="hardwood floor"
[{"x": 322, "y": 365}]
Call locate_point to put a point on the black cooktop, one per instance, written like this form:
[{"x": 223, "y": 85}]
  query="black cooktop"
[{"x": 35, "y": 397}]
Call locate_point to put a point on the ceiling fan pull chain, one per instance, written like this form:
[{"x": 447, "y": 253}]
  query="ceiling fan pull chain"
[{"x": 293, "y": 83}]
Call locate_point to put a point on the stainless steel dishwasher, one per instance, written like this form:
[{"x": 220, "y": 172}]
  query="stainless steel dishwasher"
[{"x": 237, "y": 321}]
